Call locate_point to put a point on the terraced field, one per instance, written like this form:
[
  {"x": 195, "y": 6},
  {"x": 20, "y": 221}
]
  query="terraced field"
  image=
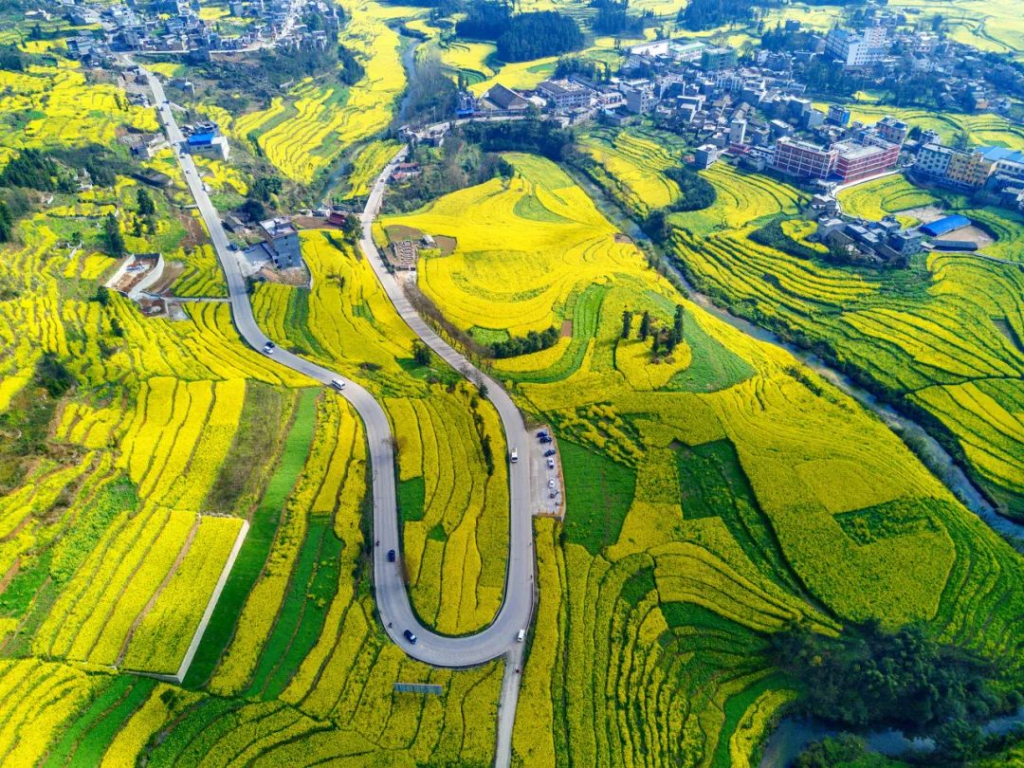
[
  {"x": 57, "y": 106},
  {"x": 715, "y": 492},
  {"x": 631, "y": 165},
  {"x": 136, "y": 450},
  {"x": 941, "y": 338},
  {"x": 453, "y": 502},
  {"x": 306, "y": 130},
  {"x": 882, "y": 197}
]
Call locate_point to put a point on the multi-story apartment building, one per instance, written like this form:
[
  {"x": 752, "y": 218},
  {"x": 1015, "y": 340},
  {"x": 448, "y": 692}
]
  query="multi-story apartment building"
[
  {"x": 969, "y": 169},
  {"x": 933, "y": 160},
  {"x": 857, "y": 49},
  {"x": 803, "y": 159},
  {"x": 858, "y": 161},
  {"x": 713, "y": 59},
  {"x": 639, "y": 99},
  {"x": 966, "y": 169},
  {"x": 565, "y": 94},
  {"x": 892, "y": 130}
]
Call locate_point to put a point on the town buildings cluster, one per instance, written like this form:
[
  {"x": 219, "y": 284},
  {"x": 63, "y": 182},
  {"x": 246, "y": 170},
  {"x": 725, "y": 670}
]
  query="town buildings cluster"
[
  {"x": 176, "y": 27},
  {"x": 756, "y": 109}
]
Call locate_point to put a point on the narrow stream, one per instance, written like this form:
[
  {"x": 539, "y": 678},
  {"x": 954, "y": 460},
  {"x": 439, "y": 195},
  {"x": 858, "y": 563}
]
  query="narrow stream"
[
  {"x": 934, "y": 456},
  {"x": 794, "y": 734},
  {"x": 409, "y": 64}
]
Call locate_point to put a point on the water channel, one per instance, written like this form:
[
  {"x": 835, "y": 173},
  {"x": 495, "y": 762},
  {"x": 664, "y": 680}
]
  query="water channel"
[{"x": 794, "y": 734}]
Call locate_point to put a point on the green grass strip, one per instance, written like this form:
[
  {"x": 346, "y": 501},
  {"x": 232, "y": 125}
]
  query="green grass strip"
[
  {"x": 317, "y": 595},
  {"x": 318, "y": 557},
  {"x": 258, "y": 542},
  {"x": 599, "y": 492},
  {"x": 88, "y": 738},
  {"x": 205, "y": 714}
]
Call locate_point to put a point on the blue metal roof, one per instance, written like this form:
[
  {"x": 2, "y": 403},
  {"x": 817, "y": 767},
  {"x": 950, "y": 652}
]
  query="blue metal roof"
[
  {"x": 201, "y": 138},
  {"x": 946, "y": 224},
  {"x": 995, "y": 154}
]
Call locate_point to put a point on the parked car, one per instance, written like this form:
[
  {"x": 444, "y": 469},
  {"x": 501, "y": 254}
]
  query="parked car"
[
  {"x": 410, "y": 636},
  {"x": 549, "y": 452},
  {"x": 268, "y": 348},
  {"x": 545, "y": 440},
  {"x": 542, "y": 433},
  {"x": 551, "y": 483},
  {"x": 551, "y": 463},
  {"x": 392, "y": 556}
]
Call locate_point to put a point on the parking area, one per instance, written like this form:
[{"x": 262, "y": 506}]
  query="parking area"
[{"x": 546, "y": 474}]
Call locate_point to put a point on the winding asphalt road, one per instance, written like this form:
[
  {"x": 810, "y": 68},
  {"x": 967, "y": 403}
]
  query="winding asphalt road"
[{"x": 500, "y": 637}]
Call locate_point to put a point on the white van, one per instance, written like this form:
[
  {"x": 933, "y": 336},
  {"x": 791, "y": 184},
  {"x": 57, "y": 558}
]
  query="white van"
[
  {"x": 338, "y": 384},
  {"x": 521, "y": 636}
]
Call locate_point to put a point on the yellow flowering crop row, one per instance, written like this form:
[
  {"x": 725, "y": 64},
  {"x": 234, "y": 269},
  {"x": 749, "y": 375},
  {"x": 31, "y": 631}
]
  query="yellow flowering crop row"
[
  {"x": 303, "y": 133},
  {"x": 533, "y": 736},
  {"x": 31, "y": 721},
  {"x": 881, "y": 197},
  {"x": 163, "y": 705},
  {"x": 161, "y": 639},
  {"x": 516, "y": 290},
  {"x": 912, "y": 343},
  {"x": 102, "y": 635},
  {"x": 332, "y": 477},
  {"x": 73, "y": 111},
  {"x": 632, "y": 166}
]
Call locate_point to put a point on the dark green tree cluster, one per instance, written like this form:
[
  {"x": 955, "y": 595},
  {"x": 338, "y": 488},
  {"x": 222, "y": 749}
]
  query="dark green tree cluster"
[
  {"x": 662, "y": 339},
  {"x": 598, "y": 71},
  {"x": 112, "y": 236},
  {"x": 524, "y": 345},
  {"x": 421, "y": 353},
  {"x": 34, "y": 169},
  {"x": 264, "y": 187},
  {"x": 432, "y": 95},
  {"x": 870, "y": 677},
  {"x": 541, "y": 137},
  {"x": 707, "y": 14},
  {"x": 520, "y": 36},
  {"x": 6, "y": 223},
  {"x": 53, "y": 376},
  {"x": 696, "y": 194},
  {"x": 542, "y": 33},
  {"x": 613, "y": 17},
  {"x": 772, "y": 235},
  {"x": 11, "y": 58},
  {"x": 458, "y": 164},
  {"x": 485, "y": 20}
]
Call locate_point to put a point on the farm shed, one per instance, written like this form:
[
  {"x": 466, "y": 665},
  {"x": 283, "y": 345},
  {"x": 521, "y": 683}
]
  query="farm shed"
[{"x": 946, "y": 225}]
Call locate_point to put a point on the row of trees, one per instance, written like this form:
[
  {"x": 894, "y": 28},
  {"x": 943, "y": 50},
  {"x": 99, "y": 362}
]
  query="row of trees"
[
  {"x": 666, "y": 339},
  {"x": 533, "y": 341}
]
